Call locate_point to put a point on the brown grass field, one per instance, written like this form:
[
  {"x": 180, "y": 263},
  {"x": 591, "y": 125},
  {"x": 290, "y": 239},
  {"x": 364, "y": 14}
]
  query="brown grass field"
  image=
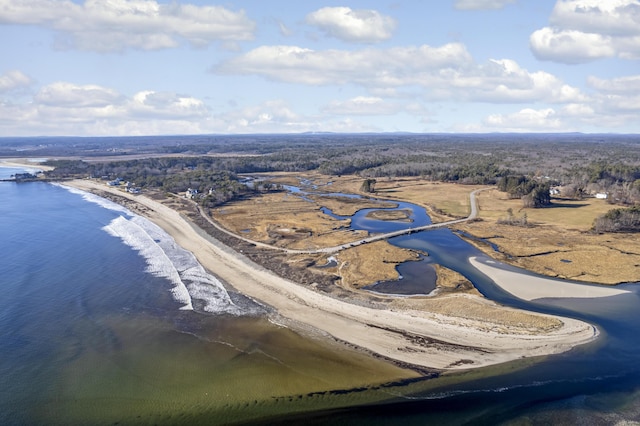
[{"x": 558, "y": 242}]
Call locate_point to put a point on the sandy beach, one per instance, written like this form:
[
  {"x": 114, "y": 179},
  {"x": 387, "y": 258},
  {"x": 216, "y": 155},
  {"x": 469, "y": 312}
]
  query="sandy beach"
[
  {"x": 23, "y": 162},
  {"x": 405, "y": 336},
  {"x": 530, "y": 288}
]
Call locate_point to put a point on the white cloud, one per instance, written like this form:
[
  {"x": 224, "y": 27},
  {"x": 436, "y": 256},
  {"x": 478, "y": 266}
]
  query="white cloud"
[
  {"x": 62, "y": 94},
  {"x": 269, "y": 116},
  {"x": 582, "y": 111},
  {"x": 115, "y": 25},
  {"x": 373, "y": 106},
  {"x": 586, "y": 30},
  {"x": 617, "y": 98},
  {"x": 570, "y": 46},
  {"x": 525, "y": 120},
  {"x": 621, "y": 85},
  {"x": 614, "y": 17},
  {"x": 362, "y": 105},
  {"x": 64, "y": 108},
  {"x": 166, "y": 104},
  {"x": 12, "y": 80},
  {"x": 445, "y": 72},
  {"x": 611, "y": 103},
  {"x": 276, "y": 116},
  {"x": 481, "y": 4},
  {"x": 360, "y": 26},
  {"x": 389, "y": 67}
]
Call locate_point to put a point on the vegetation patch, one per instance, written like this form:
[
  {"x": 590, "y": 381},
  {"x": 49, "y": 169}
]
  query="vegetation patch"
[
  {"x": 619, "y": 220},
  {"x": 391, "y": 215},
  {"x": 369, "y": 263}
]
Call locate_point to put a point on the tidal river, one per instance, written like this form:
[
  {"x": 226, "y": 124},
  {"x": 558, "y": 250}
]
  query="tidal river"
[{"x": 104, "y": 320}]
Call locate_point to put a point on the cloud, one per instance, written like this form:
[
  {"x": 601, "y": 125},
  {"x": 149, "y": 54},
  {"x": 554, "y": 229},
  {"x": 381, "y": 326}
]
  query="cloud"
[
  {"x": 611, "y": 103},
  {"x": 359, "y": 26},
  {"x": 267, "y": 117},
  {"x": 116, "y": 25},
  {"x": 166, "y": 105},
  {"x": 362, "y": 105},
  {"x": 442, "y": 73},
  {"x": 621, "y": 85},
  {"x": 481, "y": 4},
  {"x": 61, "y": 94},
  {"x": 587, "y": 30},
  {"x": 525, "y": 120},
  {"x": 388, "y": 67},
  {"x": 276, "y": 116},
  {"x": 13, "y": 80},
  {"x": 64, "y": 108}
]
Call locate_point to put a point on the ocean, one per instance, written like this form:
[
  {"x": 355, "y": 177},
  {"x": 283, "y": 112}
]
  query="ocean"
[{"x": 105, "y": 320}]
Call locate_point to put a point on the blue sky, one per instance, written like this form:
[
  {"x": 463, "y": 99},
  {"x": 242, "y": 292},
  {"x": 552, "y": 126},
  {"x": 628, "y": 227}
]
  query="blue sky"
[{"x": 146, "y": 67}]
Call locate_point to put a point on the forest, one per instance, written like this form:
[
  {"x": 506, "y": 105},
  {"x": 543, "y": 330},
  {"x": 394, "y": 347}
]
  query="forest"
[{"x": 526, "y": 166}]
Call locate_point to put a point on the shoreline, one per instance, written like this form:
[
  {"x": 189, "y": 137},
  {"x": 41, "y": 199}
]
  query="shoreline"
[
  {"x": 23, "y": 163},
  {"x": 404, "y": 336},
  {"x": 529, "y": 288}
]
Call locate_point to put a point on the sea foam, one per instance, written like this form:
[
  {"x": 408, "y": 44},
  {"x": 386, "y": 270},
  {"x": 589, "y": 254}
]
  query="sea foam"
[
  {"x": 158, "y": 263},
  {"x": 165, "y": 258},
  {"x": 92, "y": 198}
]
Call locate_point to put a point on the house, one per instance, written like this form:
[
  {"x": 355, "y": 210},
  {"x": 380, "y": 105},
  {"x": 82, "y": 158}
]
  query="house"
[
  {"x": 601, "y": 195},
  {"x": 115, "y": 182},
  {"x": 191, "y": 193}
]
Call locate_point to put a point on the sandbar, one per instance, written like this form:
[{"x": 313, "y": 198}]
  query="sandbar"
[
  {"x": 529, "y": 287},
  {"x": 414, "y": 338}
]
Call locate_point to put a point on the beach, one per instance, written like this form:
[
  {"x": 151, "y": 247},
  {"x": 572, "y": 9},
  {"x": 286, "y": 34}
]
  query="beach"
[
  {"x": 412, "y": 337},
  {"x": 528, "y": 287}
]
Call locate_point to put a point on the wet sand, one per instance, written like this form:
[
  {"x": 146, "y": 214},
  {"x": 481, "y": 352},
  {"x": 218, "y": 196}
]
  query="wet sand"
[{"x": 404, "y": 336}]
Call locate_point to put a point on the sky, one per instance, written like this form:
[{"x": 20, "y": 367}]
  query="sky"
[{"x": 152, "y": 67}]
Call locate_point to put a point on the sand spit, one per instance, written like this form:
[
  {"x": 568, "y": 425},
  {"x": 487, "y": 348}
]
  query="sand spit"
[
  {"x": 528, "y": 287},
  {"x": 406, "y": 336}
]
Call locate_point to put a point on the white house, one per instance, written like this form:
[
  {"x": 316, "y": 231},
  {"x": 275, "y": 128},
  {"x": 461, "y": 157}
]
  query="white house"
[
  {"x": 191, "y": 193},
  {"x": 601, "y": 195}
]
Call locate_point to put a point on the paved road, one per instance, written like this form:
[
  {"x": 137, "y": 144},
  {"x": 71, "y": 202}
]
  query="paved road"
[{"x": 378, "y": 237}]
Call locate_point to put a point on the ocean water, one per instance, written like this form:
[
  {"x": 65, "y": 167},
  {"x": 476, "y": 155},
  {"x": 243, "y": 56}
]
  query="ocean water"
[{"x": 104, "y": 320}]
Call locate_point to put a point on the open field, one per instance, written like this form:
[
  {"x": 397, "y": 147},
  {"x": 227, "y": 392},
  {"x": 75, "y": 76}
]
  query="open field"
[
  {"x": 558, "y": 243},
  {"x": 443, "y": 201}
]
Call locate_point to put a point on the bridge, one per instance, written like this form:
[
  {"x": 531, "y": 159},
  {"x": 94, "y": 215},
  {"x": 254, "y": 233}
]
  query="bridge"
[{"x": 378, "y": 237}]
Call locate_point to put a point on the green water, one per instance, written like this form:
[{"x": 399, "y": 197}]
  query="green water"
[{"x": 240, "y": 368}]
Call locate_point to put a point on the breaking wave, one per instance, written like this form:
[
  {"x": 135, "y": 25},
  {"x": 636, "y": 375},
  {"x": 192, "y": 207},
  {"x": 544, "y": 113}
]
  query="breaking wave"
[
  {"x": 92, "y": 198},
  {"x": 168, "y": 260},
  {"x": 192, "y": 284}
]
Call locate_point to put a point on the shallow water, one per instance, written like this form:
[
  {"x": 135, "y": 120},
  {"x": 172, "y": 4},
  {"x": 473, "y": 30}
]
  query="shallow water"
[{"x": 93, "y": 331}]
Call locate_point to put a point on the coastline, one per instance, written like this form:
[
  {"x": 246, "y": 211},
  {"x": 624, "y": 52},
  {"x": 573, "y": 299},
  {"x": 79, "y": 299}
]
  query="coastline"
[
  {"x": 529, "y": 288},
  {"x": 23, "y": 163},
  {"x": 405, "y": 336}
]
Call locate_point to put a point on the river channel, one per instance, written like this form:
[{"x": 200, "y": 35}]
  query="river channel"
[{"x": 598, "y": 383}]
